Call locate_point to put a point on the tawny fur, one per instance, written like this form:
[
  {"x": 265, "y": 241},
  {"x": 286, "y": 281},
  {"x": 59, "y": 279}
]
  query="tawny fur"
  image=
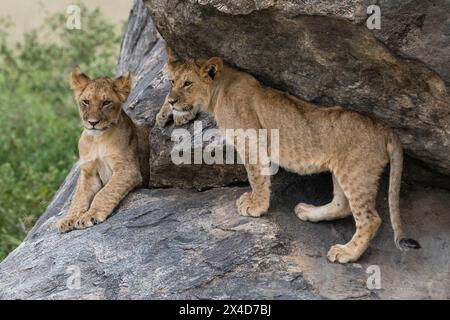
[
  {"x": 313, "y": 139},
  {"x": 112, "y": 162}
]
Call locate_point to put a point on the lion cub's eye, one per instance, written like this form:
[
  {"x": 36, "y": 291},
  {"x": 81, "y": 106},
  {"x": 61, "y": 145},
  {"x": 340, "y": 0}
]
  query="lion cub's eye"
[
  {"x": 85, "y": 102},
  {"x": 187, "y": 83},
  {"x": 172, "y": 82},
  {"x": 106, "y": 103}
]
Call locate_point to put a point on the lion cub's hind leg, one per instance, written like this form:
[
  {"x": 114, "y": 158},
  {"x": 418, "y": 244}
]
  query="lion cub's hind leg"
[
  {"x": 336, "y": 209},
  {"x": 361, "y": 192}
]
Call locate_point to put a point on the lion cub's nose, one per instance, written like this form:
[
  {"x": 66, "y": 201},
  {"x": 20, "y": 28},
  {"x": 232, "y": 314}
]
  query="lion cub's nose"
[
  {"x": 173, "y": 101},
  {"x": 93, "y": 122}
]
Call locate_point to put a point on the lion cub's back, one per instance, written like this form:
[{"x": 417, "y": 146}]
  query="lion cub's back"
[{"x": 324, "y": 137}]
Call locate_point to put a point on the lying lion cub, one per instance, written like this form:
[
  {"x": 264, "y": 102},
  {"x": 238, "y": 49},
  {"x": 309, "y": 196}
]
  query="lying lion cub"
[
  {"x": 110, "y": 160},
  {"x": 311, "y": 140}
]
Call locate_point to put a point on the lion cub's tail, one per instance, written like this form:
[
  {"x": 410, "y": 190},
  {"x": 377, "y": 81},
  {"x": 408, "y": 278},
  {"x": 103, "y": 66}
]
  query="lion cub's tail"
[{"x": 395, "y": 152}]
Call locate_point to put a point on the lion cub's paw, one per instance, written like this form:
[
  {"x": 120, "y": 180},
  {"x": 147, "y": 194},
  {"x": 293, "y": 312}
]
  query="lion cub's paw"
[
  {"x": 247, "y": 206},
  {"x": 162, "y": 119},
  {"x": 181, "y": 118},
  {"x": 66, "y": 224},
  {"x": 342, "y": 254},
  {"x": 89, "y": 219},
  {"x": 303, "y": 212}
]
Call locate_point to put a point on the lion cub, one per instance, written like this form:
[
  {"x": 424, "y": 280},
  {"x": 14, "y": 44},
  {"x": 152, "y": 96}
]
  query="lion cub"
[
  {"x": 110, "y": 160},
  {"x": 311, "y": 140}
]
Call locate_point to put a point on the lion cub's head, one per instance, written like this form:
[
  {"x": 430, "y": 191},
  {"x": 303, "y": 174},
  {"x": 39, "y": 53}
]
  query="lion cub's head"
[
  {"x": 99, "y": 100},
  {"x": 191, "y": 82}
]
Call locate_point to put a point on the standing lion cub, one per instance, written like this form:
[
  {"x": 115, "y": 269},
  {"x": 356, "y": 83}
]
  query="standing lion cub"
[
  {"x": 111, "y": 162},
  {"x": 311, "y": 140}
]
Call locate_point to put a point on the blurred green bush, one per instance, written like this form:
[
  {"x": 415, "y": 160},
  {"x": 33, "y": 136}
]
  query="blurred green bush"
[{"x": 39, "y": 122}]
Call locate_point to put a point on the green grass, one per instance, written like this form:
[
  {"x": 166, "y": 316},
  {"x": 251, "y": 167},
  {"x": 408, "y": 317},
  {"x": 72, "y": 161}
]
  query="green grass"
[{"x": 39, "y": 121}]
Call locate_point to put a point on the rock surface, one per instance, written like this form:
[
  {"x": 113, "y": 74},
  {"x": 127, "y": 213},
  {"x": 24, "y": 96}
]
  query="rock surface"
[
  {"x": 418, "y": 30},
  {"x": 330, "y": 58},
  {"x": 151, "y": 249},
  {"x": 184, "y": 244},
  {"x": 351, "y": 10}
]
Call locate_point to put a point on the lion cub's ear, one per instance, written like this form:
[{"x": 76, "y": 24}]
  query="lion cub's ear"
[
  {"x": 122, "y": 86},
  {"x": 211, "y": 69},
  {"x": 173, "y": 60},
  {"x": 78, "y": 80}
]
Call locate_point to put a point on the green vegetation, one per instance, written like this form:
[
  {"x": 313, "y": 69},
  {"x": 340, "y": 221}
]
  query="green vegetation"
[{"x": 39, "y": 122}]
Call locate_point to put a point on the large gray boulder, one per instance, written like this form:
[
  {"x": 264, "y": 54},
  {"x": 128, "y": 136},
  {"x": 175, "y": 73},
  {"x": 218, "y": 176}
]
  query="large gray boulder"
[
  {"x": 184, "y": 244},
  {"x": 151, "y": 249},
  {"x": 323, "y": 52}
]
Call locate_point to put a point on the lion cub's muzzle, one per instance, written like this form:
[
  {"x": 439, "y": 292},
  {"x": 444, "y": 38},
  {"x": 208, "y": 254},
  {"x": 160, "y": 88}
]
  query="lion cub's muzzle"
[{"x": 95, "y": 127}]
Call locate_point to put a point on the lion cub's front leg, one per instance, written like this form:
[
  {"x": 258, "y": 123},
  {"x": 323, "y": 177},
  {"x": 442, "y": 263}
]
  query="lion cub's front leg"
[
  {"x": 256, "y": 202},
  {"x": 164, "y": 114},
  {"x": 126, "y": 176},
  {"x": 87, "y": 186}
]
